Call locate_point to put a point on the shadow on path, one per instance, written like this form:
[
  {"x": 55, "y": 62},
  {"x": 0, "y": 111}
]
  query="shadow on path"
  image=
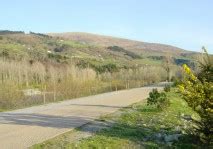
[
  {"x": 43, "y": 120},
  {"x": 104, "y": 106}
]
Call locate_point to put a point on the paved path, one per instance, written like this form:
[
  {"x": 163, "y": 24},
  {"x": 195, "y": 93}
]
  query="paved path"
[{"x": 25, "y": 127}]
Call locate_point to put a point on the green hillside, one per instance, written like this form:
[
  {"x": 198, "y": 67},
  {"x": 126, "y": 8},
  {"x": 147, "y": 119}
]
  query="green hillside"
[{"x": 90, "y": 48}]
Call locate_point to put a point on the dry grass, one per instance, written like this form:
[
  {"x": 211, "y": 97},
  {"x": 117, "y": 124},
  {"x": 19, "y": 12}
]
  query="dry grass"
[{"x": 64, "y": 81}]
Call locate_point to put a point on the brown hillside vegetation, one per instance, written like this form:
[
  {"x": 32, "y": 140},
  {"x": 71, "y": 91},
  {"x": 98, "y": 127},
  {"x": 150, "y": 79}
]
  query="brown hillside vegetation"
[{"x": 101, "y": 40}]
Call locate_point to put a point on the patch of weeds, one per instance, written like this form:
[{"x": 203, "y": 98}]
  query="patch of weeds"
[{"x": 104, "y": 118}]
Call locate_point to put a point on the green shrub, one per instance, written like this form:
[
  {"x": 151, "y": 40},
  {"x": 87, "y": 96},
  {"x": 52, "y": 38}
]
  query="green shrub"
[
  {"x": 198, "y": 93},
  {"x": 5, "y": 53},
  {"x": 110, "y": 67},
  {"x": 158, "y": 99},
  {"x": 206, "y": 72},
  {"x": 167, "y": 88},
  {"x": 126, "y": 52},
  {"x": 176, "y": 82}
]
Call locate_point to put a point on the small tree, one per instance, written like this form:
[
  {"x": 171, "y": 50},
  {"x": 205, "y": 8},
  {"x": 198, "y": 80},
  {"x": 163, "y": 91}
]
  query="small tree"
[
  {"x": 167, "y": 65},
  {"x": 158, "y": 99},
  {"x": 198, "y": 93},
  {"x": 167, "y": 88}
]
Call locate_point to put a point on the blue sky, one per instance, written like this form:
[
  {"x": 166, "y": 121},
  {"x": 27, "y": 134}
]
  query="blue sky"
[{"x": 184, "y": 23}]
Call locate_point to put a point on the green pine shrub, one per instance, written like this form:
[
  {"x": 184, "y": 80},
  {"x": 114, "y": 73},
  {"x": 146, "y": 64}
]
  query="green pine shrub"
[
  {"x": 158, "y": 99},
  {"x": 167, "y": 88}
]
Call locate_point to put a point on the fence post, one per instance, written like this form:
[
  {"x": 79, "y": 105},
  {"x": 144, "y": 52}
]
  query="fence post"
[
  {"x": 54, "y": 96},
  {"x": 44, "y": 92}
]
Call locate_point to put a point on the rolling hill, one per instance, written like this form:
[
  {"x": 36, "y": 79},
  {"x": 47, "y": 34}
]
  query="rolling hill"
[
  {"x": 86, "y": 48},
  {"x": 148, "y": 53},
  {"x": 105, "y": 41}
]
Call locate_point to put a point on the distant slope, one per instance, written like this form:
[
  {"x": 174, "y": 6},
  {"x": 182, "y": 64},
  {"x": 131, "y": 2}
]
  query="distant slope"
[
  {"x": 134, "y": 46},
  {"x": 87, "y": 49}
]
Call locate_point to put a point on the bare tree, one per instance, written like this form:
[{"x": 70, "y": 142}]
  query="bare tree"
[{"x": 167, "y": 65}]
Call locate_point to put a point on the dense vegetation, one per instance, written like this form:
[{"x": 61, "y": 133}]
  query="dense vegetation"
[
  {"x": 198, "y": 93},
  {"x": 126, "y": 52}
]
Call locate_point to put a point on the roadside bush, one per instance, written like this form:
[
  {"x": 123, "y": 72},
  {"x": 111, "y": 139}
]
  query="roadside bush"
[
  {"x": 206, "y": 72},
  {"x": 167, "y": 88},
  {"x": 176, "y": 82},
  {"x": 111, "y": 67},
  {"x": 198, "y": 93},
  {"x": 158, "y": 99}
]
